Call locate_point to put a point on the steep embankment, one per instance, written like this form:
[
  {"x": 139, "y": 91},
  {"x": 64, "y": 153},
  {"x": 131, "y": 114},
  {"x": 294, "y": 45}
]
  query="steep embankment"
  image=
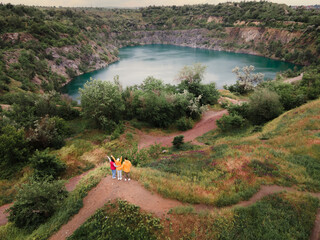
[
  {"x": 249, "y": 40},
  {"x": 89, "y": 55},
  {"x": 67, "y": 61}
]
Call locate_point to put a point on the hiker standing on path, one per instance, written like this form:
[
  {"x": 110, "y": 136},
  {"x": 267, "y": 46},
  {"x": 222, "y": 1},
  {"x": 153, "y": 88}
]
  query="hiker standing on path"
[
  {"x": 113, "y": 167},
  {"x": 119, "y": 167},
  {"x": 126, "y": 166}
]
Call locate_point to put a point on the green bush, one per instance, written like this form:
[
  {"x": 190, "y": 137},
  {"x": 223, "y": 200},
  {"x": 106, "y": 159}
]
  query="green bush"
[
  {"x": 102, "y": 102},
  {"x": 230, "y": 122},
  {"x": 36, "y": 202},
  {"x": 45, "y": 165},
  {"x": 178, "y": 141},
  {"x": 239, "y": 109},
  {"x": 119, "y": 221},
  {"x": 264, "y": 105},
  {"x": 48, "y": 132},
  {"x": 184, "y": 123},
  {"x": 14, "y": 150}
]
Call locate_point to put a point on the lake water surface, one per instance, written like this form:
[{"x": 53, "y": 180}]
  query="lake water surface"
[{"x": 165, "y": 61}]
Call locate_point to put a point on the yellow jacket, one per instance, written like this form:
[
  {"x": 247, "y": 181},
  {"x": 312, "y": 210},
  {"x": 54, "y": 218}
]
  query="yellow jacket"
[
  {"x": 118, "y": 163},
  {"x": 126, "y": 166}
]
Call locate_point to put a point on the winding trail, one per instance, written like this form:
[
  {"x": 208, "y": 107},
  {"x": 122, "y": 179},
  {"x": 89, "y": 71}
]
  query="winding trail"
[
  {"x": 295, "y": 79},
  {"x": 109, "y": 189},
  {"x": 206, "y": 124}
]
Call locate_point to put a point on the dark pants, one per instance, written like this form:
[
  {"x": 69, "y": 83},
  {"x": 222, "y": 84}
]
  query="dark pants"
[{"x": 126, "y": 174}]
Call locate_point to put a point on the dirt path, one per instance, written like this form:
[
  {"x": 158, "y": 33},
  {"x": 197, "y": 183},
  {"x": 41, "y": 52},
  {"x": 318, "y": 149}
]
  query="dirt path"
[
  {"x": 206, "y": 124},
  {"x": 133, "y": 192},
  {"x": 295, "y": 79},
  {"x": 109, "y": 189}
]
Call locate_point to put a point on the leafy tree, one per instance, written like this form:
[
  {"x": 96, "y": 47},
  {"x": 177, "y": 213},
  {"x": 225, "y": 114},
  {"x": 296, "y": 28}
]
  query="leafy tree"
[
  {"x": 190, "y": 78},
  {"x": 102, "y": 102},
  {"x": 192, "y": 74},
  {"x": 36, "y": 202},
  {"x": 48, "y": 132},
  {"x": 247, "y": 80},
  {"x": 46, "y": 165}
]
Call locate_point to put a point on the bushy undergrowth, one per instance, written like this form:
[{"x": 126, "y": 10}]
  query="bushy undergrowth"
[
  {"x": 230, "y": 122},
  {"x": 70, "y": 206},
  {"x": 119, "y": 220},
  {"x": 36, "y": 202},
  {"x": 45, "y": 165}
]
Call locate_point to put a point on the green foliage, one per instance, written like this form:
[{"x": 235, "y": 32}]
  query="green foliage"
[
  {"x": 311, "y": 83},
  {"x": 36, "y": 202},
  {"x": 121, "y": 221},
  {"x": 264, "y": 105},
  {"x": 290, "y": 96},
  {"x": 14, "y": 150},
  {"x": 239, "y": 109},
  {"x": 184, "y": 123},
  {"x": 178, "y": 141},
  {"x": 246, "y": 79},
  {"x": 117, "y": 132},
  {"x": 191, "y": 78},
  {"x": 45, "y": 165},
  {"x": 48, "y": 132},
  {"x": 230, "y": 122},
  {"x": 276, "y": 216},
  {"x": 102, "y": 102}
]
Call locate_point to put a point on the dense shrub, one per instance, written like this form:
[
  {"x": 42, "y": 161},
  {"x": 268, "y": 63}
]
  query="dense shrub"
[
  {"x": 311, "y": 83},
  {"x": 36, "y": 202},
  {"x": 13, "y": 150},
  {"x": 184, "y": 123},
  {"x": 264, "y": 105},
  {"x": 45, "y": 165},
  {"x": 178, "y": 141},
  {"x": 239, "y": 109},
  {"x": 290, "y": 95},
  {"x": 48, "y": 132},
  {"x": 230, "y": 122},
  {"x": 102, "y": 102}
]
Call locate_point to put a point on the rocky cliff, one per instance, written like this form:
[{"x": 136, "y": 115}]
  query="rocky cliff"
[{"x": 250, "y": 40}]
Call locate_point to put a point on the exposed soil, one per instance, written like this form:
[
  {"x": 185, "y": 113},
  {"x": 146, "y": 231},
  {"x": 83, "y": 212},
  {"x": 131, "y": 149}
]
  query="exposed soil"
[
  {"x": 295, "y": 79},
  {"x": 109, "y": 189}
]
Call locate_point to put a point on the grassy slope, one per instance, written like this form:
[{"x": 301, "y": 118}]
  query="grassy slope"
[
  {"x": 233, "y": 167},
  {"x": 279, "y": 216}
]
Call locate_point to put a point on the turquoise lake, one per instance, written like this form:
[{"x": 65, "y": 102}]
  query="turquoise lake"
[{"x": 165, "y": 61}]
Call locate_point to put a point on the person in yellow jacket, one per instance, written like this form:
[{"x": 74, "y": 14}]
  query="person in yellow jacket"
[
  {"x": 118, "y": 167},
  {"x": 126, "y": 166}
]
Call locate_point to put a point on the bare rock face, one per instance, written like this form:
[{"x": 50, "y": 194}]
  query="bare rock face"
[
  {"x": 17, "y": 37},
  {"x": 235, "y": 39},
  {"x": 72, "y": 59}
]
